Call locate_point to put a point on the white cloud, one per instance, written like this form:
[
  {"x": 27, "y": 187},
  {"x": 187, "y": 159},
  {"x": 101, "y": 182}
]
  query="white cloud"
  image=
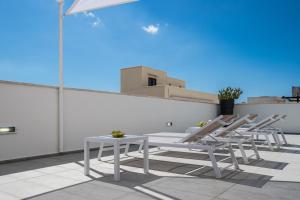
[
  {"x": 89, "y": 14},
  {"x": 97, "y": 22},
  {"x": 151, "y": 29}
]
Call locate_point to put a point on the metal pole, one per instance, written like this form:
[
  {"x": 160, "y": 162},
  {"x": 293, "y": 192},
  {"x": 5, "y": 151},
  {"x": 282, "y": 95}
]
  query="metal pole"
[{"x": 61, "y": 81}]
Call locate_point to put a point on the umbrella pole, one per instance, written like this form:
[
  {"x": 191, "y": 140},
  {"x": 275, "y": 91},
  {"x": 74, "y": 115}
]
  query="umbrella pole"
[{"x": 61, "y": 81}]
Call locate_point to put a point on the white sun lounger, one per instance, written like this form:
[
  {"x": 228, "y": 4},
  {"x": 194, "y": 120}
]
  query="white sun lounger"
[
  {"x": 275, "y": 130},
  {"x": 230, "y": 134},
  {"x": 194, "y": 141},
  {"x": 264, "y": 127}
]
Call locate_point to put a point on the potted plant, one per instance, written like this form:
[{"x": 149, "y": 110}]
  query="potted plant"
[
  {"x": 117, "y": 134},
  {"x": 201, "y": 124},
  {"x": 226, "y": 97}
]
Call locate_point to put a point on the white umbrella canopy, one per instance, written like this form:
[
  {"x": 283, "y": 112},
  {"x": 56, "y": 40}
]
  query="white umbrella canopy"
[{"x": 86, "y": 5}]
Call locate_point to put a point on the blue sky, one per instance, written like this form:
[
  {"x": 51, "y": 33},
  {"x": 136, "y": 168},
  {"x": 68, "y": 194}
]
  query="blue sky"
[{"x": 211, "y": 44}]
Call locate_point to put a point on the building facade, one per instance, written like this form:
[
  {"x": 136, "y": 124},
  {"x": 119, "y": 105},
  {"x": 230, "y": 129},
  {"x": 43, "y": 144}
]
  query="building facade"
[
  {"x": 146, "y": 81},
  {"x": 265, "y": 100}
]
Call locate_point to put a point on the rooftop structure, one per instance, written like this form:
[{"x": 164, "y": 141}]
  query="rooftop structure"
[
  {"x": 265, "y": 99},
  {"x": 146, "y": 81},
  {"x": 295, "y": 95},
  {"x": 276, "y": 99},
  {"x": 295, "y": 91}
]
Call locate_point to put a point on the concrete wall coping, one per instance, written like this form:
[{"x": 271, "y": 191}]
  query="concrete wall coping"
[
  {"x": 91, "y": 90},
  {"x": 287, "y": 103}
]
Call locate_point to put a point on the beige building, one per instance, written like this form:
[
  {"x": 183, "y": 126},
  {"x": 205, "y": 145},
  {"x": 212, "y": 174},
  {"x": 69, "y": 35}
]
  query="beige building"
[
  {"x": 146, "y": 81},
  {"x": 265, "y": 100},
  {"x": 276, "y": 99}
]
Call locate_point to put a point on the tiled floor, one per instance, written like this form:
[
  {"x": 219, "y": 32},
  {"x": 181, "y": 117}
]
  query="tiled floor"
[{"x": 174, "y": 175}]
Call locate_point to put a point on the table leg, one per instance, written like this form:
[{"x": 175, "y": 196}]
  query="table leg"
[
  {"x": 117, "y": 161},
  {"x": 146, "y": 156},
  {"x": 100, "y": 150},
  {"x": 86, "y": 158},
  {"x": 127, "y": 148}
]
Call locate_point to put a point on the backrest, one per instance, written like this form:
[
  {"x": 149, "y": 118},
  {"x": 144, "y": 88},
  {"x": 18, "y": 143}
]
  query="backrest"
[
  {"x": 209, "y": 128},
  {"x": 237, "y": 124},
  {"x": 275, "y": 119},
  {"x": 267, "y": 120},
  {"x": 283, "y": 117}
]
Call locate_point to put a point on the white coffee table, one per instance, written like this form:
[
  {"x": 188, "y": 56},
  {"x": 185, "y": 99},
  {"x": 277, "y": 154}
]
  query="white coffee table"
[{"x": 116, "y": 142}]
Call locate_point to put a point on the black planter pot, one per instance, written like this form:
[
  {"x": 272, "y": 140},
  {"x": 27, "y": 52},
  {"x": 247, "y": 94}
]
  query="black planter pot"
[{"x": 226, "y": 107}]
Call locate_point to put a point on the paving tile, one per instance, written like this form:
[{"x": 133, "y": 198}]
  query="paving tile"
[
  {"x": 135, "y": 196},
  {"x": 207, "y": 187},
  {"x": 53, "y": 181},
  {"x": 77, "y": 175},
  {"x": 262, "y": 163},
  {"x": 129, "y": 179},
  {"x": 246, "y": 192},
  {"x": 97, "y": 190},
  {"x": 71, "y": 165},
  {"x": 56, "y": 195},
  {"x": 179, "y": 194},
  {"x": 283, "y": 185},
  {"x": 236, "y": 194},
  {"x": 51, "y": 170},
  {"x": 5, "y": 196},
  {"x": 7, "y": 179},
  {"x": 160, "y": 165},
  {"x": 23, "y": 189},
  {"x": 27, "y": 174}
]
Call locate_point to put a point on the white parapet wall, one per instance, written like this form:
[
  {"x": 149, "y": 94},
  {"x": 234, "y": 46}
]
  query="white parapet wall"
[
  {"x": 33, "y": 109},
  {"x": 292, "y": 110}
]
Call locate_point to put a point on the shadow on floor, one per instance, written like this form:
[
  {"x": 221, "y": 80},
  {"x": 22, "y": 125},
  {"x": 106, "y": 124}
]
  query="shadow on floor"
[
  {"x": 132, "y": 180},
  {"x": 252, "y": 162},
  {"x": 32, "y": 164},
  {"x": 238, "y": 177}
]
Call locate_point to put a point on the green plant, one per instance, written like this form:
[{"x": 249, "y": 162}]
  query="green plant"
[
  {"x": 117, "y": 134},
  {"x": 201, "y": 124},
  {"x": 229, "y": 93}
]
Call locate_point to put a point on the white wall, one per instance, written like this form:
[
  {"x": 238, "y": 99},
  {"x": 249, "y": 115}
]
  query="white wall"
[
  {"x": 290, "y": 125},
  {"x": 33, "y": 110},
  {"x": 90, "y": 113}
]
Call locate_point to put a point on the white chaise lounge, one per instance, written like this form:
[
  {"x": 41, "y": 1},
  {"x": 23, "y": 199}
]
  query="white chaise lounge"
[
  {"x": 275, "y": 130},
  {"x": 264, "y": 127},
  {"x": 232, "y": 135},
  {"x": 195, "y": 141}
]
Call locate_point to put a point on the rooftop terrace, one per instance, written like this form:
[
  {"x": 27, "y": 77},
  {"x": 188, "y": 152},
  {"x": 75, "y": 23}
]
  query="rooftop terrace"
[{"x": 174, "y": 174}]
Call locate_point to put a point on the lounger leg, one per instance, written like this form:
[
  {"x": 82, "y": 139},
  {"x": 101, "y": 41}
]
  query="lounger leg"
[
  {"x": 141, "y": 148},
  {"x": 127, "y": 149},
  {"x": 277, "y": 134},
  {"x": 244, "y": 156},
  {"x": 269, "y": 142},
  {"x": 283, "y": 137},
  {"x": 214, "y": 163},
  {"x": 255, "y": 149},
  {"x": 100, "y": 151},
  {"x": 257, "y": 136},
  {"x": 277, "y": 140},
  {"x": 233, "y": 158},
  {"x": 190, "y": 149}
]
